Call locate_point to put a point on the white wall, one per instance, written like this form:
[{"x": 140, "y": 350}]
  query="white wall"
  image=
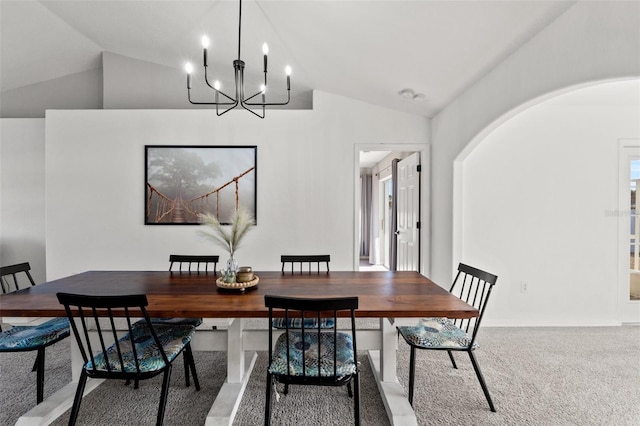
[
  {"x": 78, "y": 91},
  {"x": 131, "y": 83},
  {"x": 135, "y": 84},
  {"x": 22, "y": 209},
  {"x": 95, "y": 181},
  {"x": 536, "y": 192},
  {"x": 592, "y": 41}
]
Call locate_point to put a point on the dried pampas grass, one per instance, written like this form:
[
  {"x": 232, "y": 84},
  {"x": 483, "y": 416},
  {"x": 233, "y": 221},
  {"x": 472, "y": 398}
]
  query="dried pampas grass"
[{"x": 223, "y": 236}]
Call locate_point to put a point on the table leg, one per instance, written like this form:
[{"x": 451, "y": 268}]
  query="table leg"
[
  {"x": 235, "y": 362},
  {"x": 383, "y": 364},
  {"x": 239, "y": 367},
  {"x": 388, "y": 353}
]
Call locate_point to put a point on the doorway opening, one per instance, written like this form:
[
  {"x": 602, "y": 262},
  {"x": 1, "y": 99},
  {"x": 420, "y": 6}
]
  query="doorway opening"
[
  {"x": 389, "y": 210},
  {"x": 634, "y": 258},
  {"x": 629, "y": 232},
  {"x": 377, "y": 258}
]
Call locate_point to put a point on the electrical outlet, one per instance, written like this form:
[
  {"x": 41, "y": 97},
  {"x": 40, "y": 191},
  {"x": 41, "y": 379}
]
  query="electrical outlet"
[{"x": 524, "y": 287}]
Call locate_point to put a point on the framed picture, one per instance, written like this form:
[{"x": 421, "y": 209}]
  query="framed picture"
[{"x": 182, "y": 182}]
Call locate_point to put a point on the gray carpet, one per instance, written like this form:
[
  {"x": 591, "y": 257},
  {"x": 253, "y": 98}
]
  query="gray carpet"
[{"x": 537, "y": 376}]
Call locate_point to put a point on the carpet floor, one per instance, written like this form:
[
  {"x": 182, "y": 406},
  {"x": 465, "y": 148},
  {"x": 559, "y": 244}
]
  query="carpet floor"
[{"x": 536, "y": 376}]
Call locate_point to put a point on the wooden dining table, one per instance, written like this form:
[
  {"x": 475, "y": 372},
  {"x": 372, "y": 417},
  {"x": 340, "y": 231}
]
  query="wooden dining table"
[{"x": 390, "y": 297}]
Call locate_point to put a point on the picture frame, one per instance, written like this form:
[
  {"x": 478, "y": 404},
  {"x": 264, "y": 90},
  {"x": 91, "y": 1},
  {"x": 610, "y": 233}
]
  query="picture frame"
[{"x": 183, "y": 182}]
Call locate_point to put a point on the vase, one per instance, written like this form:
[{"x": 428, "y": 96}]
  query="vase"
[{"x": 230, "y": 272}]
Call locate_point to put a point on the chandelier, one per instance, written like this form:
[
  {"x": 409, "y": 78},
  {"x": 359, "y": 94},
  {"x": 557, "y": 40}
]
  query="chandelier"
[{"x": 230, "y": 102}]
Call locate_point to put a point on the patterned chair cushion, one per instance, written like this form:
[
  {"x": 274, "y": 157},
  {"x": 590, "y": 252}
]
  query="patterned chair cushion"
[
  {"x": 436, "y": 333},
  {"x": 344, "y": 348},
  {"x": 172, "y": 337},
  {"x": 195, "y": 322},
  {"x": 25, "y": 338},
  {"x": 309, "y": 323}
]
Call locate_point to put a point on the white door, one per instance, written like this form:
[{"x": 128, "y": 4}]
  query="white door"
[
  {"x": 408, "y": 205},
  {"x": 628, "y": 216}
]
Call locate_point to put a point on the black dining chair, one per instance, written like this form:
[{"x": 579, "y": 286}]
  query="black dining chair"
[
  {"x": 194, "y": 263},
  {"x": 188, "y": 264},
  {"x": 145, "y": 350},
  {"x": 308, "y": 260},
  {"x": 473, "y": 286},
  {"x": 325, "y": 322},
  {"x": 15, "y": 277},
  {"x": 311, "y": 355},
  {"x": 30, "y": 338}
]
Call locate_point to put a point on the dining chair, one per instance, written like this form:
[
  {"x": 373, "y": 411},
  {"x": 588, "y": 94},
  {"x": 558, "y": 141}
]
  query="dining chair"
[
  {"x": 194, "y": 263},
  {"x": 145, "y": 350},
  {"x": 11, "y": 278},
  {"x": 473, "y": 286},
  {"x": 305, "y": 259},
  {"x": 311, "y": 355},
  {"x": 32, "y": 337},
  {"x": 325, "y": 322}
]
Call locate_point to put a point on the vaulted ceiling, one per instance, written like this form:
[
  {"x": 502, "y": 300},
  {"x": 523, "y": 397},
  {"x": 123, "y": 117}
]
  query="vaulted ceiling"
[{"x": 365, "y": 50}]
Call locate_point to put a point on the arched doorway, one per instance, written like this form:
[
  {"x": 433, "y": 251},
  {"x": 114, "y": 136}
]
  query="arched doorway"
[{"x": 533, "y": 194}]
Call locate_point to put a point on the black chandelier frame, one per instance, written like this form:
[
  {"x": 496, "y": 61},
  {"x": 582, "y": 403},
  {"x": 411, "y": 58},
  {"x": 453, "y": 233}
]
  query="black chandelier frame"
[{"x": 239, "y": 99}]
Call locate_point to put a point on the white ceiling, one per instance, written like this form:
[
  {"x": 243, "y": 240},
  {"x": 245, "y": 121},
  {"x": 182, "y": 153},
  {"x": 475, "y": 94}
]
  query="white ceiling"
[
  {"x": 366, "y": 50},
  {"x": 369, "y": 159}
]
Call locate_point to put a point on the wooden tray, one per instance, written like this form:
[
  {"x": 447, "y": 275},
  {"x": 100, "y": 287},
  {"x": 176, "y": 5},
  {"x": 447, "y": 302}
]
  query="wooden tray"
[{"x": 237, "y": 286}]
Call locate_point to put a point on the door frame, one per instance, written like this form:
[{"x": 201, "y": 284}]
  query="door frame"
[
  {"x": 425, "y": 198},
  {"x": 628, "y": 311}
]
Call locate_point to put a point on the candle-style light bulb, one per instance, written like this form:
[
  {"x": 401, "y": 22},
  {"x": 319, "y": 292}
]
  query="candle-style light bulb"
[
  {"x": 205, "y": 45},
  {"x": 263, "y": 89},
  {"x": 265, "y": 52},
  {"x": 287, "y": 70},
  {"x": 189, "y": 69}
]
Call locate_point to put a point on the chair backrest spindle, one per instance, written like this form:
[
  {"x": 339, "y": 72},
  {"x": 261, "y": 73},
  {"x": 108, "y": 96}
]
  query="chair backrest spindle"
[
  {"x": 302, "y": 259},
  {"x": 201, "y": 263}
]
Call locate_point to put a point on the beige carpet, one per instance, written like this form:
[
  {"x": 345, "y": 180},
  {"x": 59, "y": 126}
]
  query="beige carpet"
[{"x": 537, "y": 376}]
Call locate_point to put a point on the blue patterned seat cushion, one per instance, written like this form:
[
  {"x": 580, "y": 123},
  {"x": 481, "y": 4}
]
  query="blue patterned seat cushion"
[
  {"x": 25, "y": 338},
  {"x": 172, "y": 337},
  {"x": 436, "y": 333},
  {"x": 344, "y": 348},
  {"x": 309, "y": 323},
  {"x": 195, "y": 322}
]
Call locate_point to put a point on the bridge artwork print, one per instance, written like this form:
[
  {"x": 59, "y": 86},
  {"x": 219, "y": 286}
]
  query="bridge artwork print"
[{"x": 184, "y": 181}]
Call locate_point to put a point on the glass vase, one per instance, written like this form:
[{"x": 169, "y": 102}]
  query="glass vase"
[{"x": 230, "y": 272}]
